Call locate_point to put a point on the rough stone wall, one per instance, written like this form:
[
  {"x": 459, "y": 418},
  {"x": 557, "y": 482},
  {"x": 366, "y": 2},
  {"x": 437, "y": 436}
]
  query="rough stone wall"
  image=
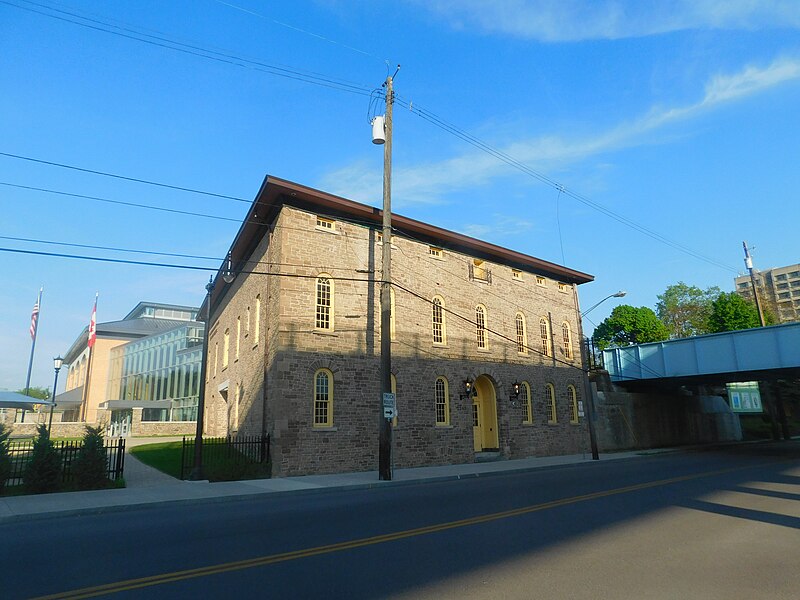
[
  {"x": 628, "y": 420},
  {"x": 224, "y": 415},
  {"x": 59, "y": 430},
  {"x": 293, "y": 350}
]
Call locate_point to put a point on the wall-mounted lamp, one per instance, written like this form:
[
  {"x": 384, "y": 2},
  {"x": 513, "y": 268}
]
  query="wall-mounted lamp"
[
  {"x": 228, "y": 276},
  {"x": 514, "y": 395},
  {"x": 469, "y": 390}
]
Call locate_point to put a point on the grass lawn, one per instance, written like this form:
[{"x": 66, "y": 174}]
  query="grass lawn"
[
  {"x": 217, "y": 466},
  {"x": 164, "y": 456}
]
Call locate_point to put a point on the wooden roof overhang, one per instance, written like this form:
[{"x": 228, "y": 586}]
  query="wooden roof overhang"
[{"x": 275, "y": 193}]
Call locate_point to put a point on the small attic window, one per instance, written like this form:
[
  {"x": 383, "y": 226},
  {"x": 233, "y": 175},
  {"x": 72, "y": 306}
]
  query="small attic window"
[
  {"x": 563, "y": 287},
  {"x": 541, "y": 280},
  {"x": 435, "y": 251},
  {"x": 326, "y": 224},
  {"x": 516, "y": 274}
]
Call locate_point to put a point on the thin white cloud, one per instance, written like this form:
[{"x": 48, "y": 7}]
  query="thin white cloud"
[
  {"x": 430, "y": 182},
  {"x": 576, "y": 20},
  {"x": 501, "y": 226}
]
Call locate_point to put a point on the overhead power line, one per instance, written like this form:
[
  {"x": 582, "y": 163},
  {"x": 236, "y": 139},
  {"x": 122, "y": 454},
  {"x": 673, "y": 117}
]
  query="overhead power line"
[
  {"x": 163, "y": 41},
  {"x": 123, "y": 177},
  {"x": 327, "y": 81},
  {"x": 513, "y": 162}
]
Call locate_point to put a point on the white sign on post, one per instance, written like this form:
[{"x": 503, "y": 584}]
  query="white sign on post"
[{"x": 389, "y": 406}]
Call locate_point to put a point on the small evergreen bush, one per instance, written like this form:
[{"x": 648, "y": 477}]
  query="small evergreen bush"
[
  {"x": 90, "y": 468},
  {"x": 5, "y": 457},
  {"x": 43, "y": 473}
]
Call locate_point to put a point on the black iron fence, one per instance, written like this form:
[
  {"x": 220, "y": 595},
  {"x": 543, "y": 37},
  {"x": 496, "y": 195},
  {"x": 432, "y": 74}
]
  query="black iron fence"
[
  {"x": 20, "y": 454},
  {"x": 593, "y": 353},
  {"x": 227, "y": 457}
]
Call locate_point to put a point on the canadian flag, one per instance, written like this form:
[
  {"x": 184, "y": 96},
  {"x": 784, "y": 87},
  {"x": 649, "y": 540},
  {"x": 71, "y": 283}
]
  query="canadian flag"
[{"x": 93, "y": 325}]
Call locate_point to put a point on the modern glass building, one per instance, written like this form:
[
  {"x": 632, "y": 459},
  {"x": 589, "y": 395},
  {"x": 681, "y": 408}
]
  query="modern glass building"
[{"x": 159, "y": 373}]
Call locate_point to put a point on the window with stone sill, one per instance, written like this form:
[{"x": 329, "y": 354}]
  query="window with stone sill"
[
  {"x": 442, "y": 402},
  {"x": 572, "y": 395},
  {"x": 550, "y": 399},
  {"x": 323, "y": 398}
]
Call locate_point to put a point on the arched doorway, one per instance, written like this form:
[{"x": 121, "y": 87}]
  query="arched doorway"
[{"x": 484, "y": 415}]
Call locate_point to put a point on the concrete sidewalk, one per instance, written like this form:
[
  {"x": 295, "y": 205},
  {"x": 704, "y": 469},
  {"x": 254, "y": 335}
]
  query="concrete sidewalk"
[{"x": 169, "y": 490}]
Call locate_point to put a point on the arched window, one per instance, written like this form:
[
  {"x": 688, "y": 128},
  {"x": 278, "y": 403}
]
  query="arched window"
[
  {"x": 257, "y": 332},
  {"x": 522, "y": 337},
  {"x": 525, "y": 397},
  {"x": 226, "y": 346},
  {"x": 324, "y": 315},
  {"x": 391, "y": 314},
  {"x": 238, "y": 336},
  {"x": 572, "y": 394},
  {"x": 567, "y": 339},
  {"x": 480, "y": 325},
  {"x": 544, "y": 332},
  {"x": 550, "y": 397},
  {"x": 442, "y": 402},
  {"x": 439, "y": 331},
  {"x": 323, "y": 398}
]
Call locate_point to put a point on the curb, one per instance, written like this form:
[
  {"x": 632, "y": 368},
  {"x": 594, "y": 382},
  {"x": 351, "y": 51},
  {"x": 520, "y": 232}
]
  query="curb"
[{"x": 148, "y": 504}]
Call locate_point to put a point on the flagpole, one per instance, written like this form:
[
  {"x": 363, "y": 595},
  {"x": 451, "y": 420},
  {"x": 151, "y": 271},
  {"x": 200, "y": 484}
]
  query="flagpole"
[
  {"x": 35, "y": 333},
  {"x": 92, "y": 335}
]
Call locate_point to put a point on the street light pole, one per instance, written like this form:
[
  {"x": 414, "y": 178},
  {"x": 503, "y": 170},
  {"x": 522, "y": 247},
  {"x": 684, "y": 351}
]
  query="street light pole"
[
  {"x": 587, "y": 385},
  {"x": 57, "y": 362},
  {"x": 197, "y": 469}
]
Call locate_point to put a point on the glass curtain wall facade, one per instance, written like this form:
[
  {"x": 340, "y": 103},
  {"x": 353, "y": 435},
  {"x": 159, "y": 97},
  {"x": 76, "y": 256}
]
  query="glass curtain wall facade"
[{"x": 165, "y": 366}]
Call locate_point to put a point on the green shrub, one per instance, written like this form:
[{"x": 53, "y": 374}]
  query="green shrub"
[
  {"x": 43, "y": 472},
  {"x": 5, "y": 456},
  {"x": 90, "y": 467}
]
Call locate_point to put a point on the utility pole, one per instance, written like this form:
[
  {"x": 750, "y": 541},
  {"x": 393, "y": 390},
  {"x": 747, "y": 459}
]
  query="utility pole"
[
  {"x": 748, "y": 262},
  {"x": 385, "y": 433}
]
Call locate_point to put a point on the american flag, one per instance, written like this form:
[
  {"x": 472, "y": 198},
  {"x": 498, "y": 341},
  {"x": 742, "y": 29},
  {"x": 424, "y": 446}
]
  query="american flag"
[{"x": 34, "y": 319}]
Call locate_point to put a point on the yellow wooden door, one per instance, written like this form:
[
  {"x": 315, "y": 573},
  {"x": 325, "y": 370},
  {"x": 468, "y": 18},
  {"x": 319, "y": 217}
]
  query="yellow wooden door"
[{"x": 477, "y": 433}]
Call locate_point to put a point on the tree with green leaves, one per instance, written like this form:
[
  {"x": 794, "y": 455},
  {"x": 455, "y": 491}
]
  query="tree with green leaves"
[
  {"x": 630, "y": 325},
  {"x": 90, "y": 467},
  {"x": 730, "y": 312},
  {"x": 685, "y": 309},
  {"x": 43, "y": 472},
  {"x": 5, "y": 456},
  {"x": 40, "y": 393}
]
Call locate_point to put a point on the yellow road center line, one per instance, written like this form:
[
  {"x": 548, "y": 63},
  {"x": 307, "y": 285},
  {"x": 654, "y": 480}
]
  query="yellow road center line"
[{"x": 153, "y": 580}]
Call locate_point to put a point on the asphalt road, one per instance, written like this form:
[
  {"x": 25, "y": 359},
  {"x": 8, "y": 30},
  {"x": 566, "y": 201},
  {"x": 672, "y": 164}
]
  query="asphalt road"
[{"x": 714, "y": 524}]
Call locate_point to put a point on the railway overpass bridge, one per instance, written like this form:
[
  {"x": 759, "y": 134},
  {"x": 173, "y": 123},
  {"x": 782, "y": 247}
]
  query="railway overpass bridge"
[
  {"x": 659, "y": 395},
  {"x": 760, "y": 354}
]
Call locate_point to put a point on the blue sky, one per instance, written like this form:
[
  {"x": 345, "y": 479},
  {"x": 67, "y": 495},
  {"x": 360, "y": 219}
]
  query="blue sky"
[{"x": 678, "y": 115}]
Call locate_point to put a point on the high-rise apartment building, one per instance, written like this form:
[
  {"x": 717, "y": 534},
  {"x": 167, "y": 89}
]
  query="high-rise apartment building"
[{"x": 779, "y": 291}]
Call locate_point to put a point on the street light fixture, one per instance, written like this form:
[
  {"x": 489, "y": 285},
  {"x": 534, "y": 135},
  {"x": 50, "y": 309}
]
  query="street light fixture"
[
  {"x": 57, "y": 364},
  {"x": 619, "y": 294}
]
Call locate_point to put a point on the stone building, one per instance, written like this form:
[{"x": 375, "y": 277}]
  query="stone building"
[{"x": 294, "y": 340}]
